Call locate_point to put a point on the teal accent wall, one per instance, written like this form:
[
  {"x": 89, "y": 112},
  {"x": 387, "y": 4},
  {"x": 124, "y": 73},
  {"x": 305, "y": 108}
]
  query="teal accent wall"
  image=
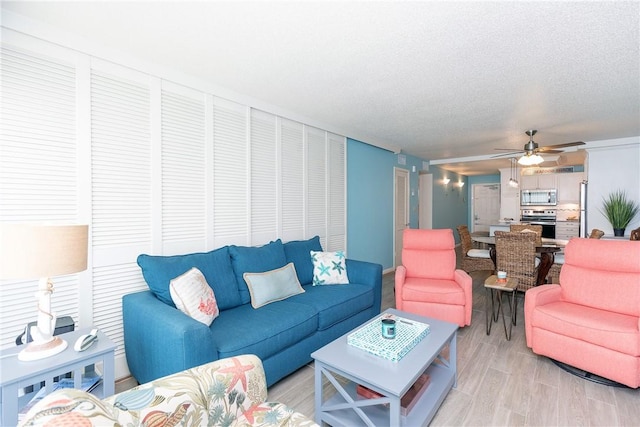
[
  {"x": 450, "y": 201},
  {"x": 370, "y": 176},
  {"x": 369, "y": 203}
]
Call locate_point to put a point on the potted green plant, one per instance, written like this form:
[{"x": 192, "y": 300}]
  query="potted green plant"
[{"x": 619, "y": 210}]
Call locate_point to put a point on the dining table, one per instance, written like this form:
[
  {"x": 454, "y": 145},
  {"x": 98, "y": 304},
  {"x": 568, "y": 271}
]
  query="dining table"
[{"x": 546, "y": 251}]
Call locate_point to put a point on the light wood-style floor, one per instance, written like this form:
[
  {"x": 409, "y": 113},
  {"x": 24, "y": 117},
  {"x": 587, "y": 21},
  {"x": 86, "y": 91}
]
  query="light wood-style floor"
[{"x": 500, "y": 382}]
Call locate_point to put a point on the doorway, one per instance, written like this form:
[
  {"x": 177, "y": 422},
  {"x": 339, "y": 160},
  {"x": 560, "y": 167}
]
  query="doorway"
[
  {"x": 400, "y": 211},
  {"x": 485, "y": 206},
  {"x": 425, "y": 200}
]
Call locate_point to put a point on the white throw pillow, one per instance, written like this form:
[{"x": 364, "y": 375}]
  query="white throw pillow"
[
  {"x": 273, "y": 285},
  {"x": 193, "y": 296},
  {"x": 329, "y": 268}
]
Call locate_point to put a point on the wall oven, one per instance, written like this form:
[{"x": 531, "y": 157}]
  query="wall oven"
[{"x": 544, "y": 217}]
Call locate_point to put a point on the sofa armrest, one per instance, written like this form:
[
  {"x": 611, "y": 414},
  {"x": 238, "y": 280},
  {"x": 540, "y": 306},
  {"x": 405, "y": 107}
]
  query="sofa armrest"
[
  {"x": 161, "y": 340},
  {"x": 367, "y": 273},
  {"x": 540, "y": 295}
]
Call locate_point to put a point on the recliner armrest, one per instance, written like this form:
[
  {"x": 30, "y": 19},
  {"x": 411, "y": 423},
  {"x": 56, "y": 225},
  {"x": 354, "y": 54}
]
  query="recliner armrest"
[
  {"x": 465, "y": 281},
  {"x": 540, "y": 295}
]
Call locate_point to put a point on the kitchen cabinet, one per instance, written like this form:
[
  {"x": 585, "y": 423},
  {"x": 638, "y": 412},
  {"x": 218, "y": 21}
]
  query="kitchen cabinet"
[
  {"x": 509, "y": 197},
  {"x": 569, "y": 187},
  {"x": 542, "y": 181},
  {"x": 565, "y": 230}
]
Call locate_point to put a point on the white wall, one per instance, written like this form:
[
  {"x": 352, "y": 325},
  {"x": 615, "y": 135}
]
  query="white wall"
[{"x": 612, "y": 165}]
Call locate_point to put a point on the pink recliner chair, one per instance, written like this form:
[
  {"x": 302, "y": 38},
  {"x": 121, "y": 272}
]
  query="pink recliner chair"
[
  {"x": 591, "y": 320},
  {"x": 427, "y": 282}
]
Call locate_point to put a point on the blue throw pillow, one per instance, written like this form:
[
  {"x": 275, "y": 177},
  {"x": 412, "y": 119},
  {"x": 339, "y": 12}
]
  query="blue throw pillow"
[
  {"x": 274, "y": 285},
  {"x": 297, "y": 252},
  {"x": 255, "y": 259},
  {"x": 216, "y": 267}
]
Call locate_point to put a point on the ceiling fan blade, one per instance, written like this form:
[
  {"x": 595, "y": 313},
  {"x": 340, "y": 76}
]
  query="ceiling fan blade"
[
  {"x": 568, "y": 144},
  {"x": 513, "y": 153},
  {"x": 544, "y": 150}
]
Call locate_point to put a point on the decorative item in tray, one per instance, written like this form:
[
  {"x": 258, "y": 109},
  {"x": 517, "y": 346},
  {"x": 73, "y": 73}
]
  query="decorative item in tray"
[{"x": 369, "y": 337}]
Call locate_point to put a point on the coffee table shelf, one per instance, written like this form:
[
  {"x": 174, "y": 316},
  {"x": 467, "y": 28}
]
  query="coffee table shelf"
[
  {"x": 441, "y": 382},
  {"x": 390, "y": 379}
]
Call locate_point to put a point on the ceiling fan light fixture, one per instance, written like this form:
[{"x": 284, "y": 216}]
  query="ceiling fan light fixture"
[{"x": 530, "y": 160}]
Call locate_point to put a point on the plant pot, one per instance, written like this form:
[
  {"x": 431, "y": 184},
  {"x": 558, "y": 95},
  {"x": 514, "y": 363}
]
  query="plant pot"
[{"x": 618, "y": 232}]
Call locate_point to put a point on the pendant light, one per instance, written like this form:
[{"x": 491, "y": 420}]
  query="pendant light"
[{"x": 513, "y": 174}]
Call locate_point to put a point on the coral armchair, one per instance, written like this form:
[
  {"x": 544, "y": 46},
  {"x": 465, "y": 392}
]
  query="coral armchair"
[
  {"x": 591, "y": 319},
  {"x": 427, "y": 282}
]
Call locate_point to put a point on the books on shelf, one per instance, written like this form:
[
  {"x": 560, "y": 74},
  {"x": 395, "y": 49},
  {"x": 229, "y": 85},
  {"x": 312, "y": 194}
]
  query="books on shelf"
[
  {"x": 408, "y": 400},
  {"x": 89, "y": 382}
]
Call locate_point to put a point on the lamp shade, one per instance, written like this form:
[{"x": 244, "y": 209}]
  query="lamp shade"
[{"x": 34, "y": 251}]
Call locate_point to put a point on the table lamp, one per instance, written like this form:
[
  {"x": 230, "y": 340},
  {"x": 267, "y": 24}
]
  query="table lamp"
[{"x": 30, "y": 251}]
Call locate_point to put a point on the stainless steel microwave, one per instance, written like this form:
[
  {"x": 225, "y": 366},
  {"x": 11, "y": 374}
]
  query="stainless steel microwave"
[{"x": 539, "y": 197}]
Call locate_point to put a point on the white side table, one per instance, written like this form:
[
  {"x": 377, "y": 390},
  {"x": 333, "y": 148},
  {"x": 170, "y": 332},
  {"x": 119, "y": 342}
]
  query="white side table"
[{"x": 15, "y": 375}]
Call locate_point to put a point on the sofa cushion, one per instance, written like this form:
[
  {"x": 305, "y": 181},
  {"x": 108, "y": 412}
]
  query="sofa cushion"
[
  {"x": 193, "y": 296},
  {"x": 335, "y": 303},
  {"x": 255, "y": 259},
  {"x": 329, "y": 268},
  {"x": 606, "y": 329},
  {"x": 264, "y": 331},
  {"x": 215, "y": 266},
  {"x": 297, "y": 252},
  {"x": 274, "y": 285}
]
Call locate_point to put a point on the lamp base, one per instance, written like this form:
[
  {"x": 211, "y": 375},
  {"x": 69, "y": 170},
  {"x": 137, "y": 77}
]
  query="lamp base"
[{"x": 36, "y": 351}]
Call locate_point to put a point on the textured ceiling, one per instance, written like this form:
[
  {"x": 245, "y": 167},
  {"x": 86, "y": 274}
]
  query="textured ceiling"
[{"x": 437, "y": 80}]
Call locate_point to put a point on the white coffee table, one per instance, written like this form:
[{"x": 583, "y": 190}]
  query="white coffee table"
[{"x": 390, "y": 379}]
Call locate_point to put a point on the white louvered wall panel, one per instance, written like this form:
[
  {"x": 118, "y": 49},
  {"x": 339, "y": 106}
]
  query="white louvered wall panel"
[
  {"x": 316, "y": 183},
  {"x": 183, "y": 172},
  {"x": 110, "y": 283},
  {"x": 230, "y": 204},
  {"x": 337, "y": 212},
  {"x": 38, "y": 169},
  {"x": 121, "y": 193},
  {"x": 146, "y": 162},
  {"x": 264, "y": 178},
  {"x": 120, "y": 133},
  {"x": 293, "y": 191}
]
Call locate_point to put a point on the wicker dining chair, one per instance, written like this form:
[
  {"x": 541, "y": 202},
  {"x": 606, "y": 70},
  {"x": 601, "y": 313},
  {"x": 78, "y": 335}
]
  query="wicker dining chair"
[
  {"x": 528, "y": 228},
  {"x": 473, "y": 259},
  {"x": 516, "y": 254}
]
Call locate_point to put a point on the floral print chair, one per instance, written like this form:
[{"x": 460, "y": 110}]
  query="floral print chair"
[{"x": 226, "y": 392}]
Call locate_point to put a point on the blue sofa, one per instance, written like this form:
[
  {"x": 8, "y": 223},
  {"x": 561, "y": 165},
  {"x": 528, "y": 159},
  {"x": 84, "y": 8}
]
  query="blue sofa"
[{"x": 161, "y": 340}]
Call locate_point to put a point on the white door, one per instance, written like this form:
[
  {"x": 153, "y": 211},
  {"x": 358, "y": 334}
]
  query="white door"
[
  {"x": 485, "y": 206},
  {"x": 401, "y": 210}
]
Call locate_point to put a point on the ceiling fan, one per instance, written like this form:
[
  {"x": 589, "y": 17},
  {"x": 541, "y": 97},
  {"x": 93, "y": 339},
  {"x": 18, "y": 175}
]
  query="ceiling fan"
[{"x": 531, "y": 149}]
